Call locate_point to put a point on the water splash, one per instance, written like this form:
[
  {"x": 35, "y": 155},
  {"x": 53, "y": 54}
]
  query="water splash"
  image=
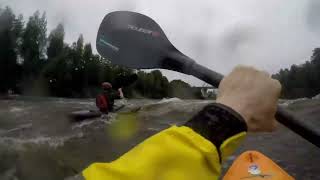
[
  {"x": 286, "y": 102},
  {"x": 19, "y": 128},
  {"x": 105, "y": 119},
  {"x": 165, "y": 100},
  {"x": 316, "y": 97},
  {"x": 90, "y": 102},
  {"x": 54, "y": 142},
  {"x": 154, "y": 129},
  {"x": 16, "y": 110}
]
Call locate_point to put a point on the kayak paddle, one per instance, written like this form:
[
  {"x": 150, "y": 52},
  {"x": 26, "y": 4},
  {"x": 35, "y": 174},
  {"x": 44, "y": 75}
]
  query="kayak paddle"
[{"x": 136, "y": 41}]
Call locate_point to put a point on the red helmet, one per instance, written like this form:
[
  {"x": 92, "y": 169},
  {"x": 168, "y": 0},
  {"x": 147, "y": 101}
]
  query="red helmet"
[{"x": 106, "y": 85}]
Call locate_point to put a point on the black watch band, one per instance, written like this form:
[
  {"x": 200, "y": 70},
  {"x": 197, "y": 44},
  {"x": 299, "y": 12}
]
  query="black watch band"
[{"x": 217, "y": 122}]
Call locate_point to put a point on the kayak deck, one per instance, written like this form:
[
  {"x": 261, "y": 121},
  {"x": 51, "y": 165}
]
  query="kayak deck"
[{"x": 253, "y": 165}]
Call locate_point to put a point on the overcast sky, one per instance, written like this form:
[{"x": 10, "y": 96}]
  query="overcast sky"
[{"x": 267, "y": 34}]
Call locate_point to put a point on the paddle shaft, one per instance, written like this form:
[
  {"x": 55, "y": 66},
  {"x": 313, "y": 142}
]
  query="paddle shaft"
[{"x": 283, "y": 115}]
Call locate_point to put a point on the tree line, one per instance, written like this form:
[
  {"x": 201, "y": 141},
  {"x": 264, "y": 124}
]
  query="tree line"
[
  {"x": 34, "y": 63},
  {"x": 301, "y": 80}
]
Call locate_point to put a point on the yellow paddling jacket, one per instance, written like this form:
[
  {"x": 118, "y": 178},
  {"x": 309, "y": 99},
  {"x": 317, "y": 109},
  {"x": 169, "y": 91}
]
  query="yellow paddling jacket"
[{"x": 191, "y": 152}]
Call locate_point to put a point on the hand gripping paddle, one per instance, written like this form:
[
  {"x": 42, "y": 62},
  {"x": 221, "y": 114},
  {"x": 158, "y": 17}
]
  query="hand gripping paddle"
[{"x": 136, "y": 41}]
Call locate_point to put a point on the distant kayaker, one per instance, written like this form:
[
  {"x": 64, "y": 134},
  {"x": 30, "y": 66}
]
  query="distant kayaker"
[
  {"x": 105, "y": 100},
  {"x": 247, "y": 101}
]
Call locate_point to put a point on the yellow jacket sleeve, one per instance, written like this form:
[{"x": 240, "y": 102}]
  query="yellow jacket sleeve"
[{"x": 177, "y": 153}]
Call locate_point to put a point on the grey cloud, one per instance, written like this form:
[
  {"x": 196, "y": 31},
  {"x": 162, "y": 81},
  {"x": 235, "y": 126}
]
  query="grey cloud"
[{"x": 237, "y": 37}]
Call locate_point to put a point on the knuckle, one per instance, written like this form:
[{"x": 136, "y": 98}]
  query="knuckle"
[
  {"x": 242, "y": 68},
  {"x": 239, "y": 67}
]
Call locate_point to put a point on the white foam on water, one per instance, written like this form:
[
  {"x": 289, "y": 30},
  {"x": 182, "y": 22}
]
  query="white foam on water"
[
  {"x": 86, "y": 103},
  {"x": 165, "y": 100},
  {"x": 54, "y": 142},
  {"x": 107, "y": 119},
  {"x": 83, "y": 124},
  {"x": 316, "y": 97},
  {"x": 287, "y": 102},
  {"x": 122, "y": 101},
  {"x": 89, "y": 102},
  {"x": 21, "y": 127},
  {"x": 153, "y": 129},
  {"x": 205, "y": 101},
  {"x": 76, "y": 177},
  {"x": 15, "y": 109}
]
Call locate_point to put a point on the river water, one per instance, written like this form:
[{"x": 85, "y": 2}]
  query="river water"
[{"x": 39, "y": 141}]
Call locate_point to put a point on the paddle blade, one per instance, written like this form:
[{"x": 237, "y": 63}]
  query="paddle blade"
[{"x": 133, "y": 40}]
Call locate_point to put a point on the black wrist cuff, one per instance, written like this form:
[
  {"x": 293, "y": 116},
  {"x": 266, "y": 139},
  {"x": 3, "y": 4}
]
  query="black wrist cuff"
[{"x": 217, "y": 122}]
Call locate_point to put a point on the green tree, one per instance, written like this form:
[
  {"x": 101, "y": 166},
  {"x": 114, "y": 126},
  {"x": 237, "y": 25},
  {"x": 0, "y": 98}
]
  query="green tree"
[
  {"x": 301, "y": 80},
  {"x": 10, "y": 32},
  {"x": 159, "y": 85},
  {"x": 180, "y": 89},
  {"x": 56, "y": 42},
  {"x": 56, "y": 69},
  {"x": 34, "y": 45},
  {"x": 92, "y": 71},
  {"x": 58, "y": 74},
  {"x": 76, "y": 66},
  {"x": 151, "y": 85}
]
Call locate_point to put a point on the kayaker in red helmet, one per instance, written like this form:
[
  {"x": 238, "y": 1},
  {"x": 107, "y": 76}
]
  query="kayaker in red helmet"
[{"x": 105, "y": 100}]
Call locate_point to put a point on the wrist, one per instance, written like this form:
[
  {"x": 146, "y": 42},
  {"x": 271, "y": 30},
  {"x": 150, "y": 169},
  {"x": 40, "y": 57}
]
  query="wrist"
[
  {"x": 217, "y": 122},
  {"x": 242, "y": 109}
]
